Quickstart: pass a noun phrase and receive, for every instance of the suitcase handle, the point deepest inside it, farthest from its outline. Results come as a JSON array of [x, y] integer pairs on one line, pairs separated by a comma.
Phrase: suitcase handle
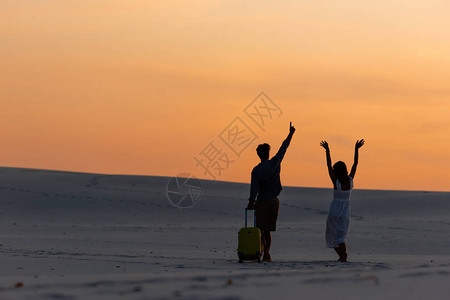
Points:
[[254, 219]]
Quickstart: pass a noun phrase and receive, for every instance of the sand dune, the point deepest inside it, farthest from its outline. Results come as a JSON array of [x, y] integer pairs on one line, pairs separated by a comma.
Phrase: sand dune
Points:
[[92, 236]]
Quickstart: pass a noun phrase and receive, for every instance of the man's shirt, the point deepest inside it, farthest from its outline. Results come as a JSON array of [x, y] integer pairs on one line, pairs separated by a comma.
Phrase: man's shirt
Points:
[[266, 183]]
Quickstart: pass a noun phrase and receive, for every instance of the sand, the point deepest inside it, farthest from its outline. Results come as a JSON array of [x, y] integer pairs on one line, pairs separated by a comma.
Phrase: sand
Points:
[[92, 236]]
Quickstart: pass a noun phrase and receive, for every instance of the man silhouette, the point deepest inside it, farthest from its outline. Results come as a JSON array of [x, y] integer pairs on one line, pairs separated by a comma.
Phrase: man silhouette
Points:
[[264, 190]]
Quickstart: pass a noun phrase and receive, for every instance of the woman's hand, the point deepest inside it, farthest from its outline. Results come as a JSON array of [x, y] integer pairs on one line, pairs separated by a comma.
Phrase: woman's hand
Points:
[[324, 144], [359, 144]]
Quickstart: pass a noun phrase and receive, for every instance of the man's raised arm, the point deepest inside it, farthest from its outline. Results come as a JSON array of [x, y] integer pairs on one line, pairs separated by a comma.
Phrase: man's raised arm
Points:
[[280, 154]]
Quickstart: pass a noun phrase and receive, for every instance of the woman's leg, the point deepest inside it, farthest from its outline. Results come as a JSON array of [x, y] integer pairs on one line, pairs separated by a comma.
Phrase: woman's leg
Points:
[[344, 252], [341, 250]]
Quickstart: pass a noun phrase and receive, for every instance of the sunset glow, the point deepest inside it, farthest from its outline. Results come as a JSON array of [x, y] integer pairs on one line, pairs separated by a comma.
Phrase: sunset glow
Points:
[[142, 87]]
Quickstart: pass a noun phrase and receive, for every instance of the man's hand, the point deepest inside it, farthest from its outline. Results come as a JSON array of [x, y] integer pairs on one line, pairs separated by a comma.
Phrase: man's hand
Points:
[[291, 128], [324, 144], [251, 205], [359, 144]]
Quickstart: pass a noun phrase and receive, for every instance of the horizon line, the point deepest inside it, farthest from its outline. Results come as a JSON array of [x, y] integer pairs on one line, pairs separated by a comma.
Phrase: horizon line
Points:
[[212, 181]]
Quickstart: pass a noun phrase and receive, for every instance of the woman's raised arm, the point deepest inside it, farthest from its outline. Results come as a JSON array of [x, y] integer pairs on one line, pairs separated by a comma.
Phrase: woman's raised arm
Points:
[[324, 144], [358, 145]]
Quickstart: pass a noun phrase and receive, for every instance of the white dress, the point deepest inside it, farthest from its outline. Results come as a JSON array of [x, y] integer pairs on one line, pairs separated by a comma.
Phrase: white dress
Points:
[[338, 219]]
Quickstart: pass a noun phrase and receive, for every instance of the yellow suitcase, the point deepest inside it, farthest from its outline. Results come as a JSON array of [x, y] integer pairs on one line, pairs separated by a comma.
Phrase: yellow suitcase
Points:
[[249, 243]]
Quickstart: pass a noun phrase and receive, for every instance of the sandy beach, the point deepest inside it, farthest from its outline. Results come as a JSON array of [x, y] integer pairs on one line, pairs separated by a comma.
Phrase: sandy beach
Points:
[[91, 236]]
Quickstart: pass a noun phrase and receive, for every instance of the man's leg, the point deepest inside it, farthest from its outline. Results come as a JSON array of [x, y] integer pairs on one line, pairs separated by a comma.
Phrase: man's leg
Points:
[[267, 241], [272, 215]]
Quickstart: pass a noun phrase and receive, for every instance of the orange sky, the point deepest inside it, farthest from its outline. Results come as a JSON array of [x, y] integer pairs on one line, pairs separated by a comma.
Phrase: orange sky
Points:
[[142, 87]]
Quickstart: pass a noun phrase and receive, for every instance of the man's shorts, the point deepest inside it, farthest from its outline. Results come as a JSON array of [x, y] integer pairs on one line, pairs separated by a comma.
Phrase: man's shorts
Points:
[[266, 214]]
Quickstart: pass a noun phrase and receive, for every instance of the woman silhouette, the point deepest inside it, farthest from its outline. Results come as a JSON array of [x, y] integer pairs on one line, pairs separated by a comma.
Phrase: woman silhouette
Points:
[[339, 214]]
